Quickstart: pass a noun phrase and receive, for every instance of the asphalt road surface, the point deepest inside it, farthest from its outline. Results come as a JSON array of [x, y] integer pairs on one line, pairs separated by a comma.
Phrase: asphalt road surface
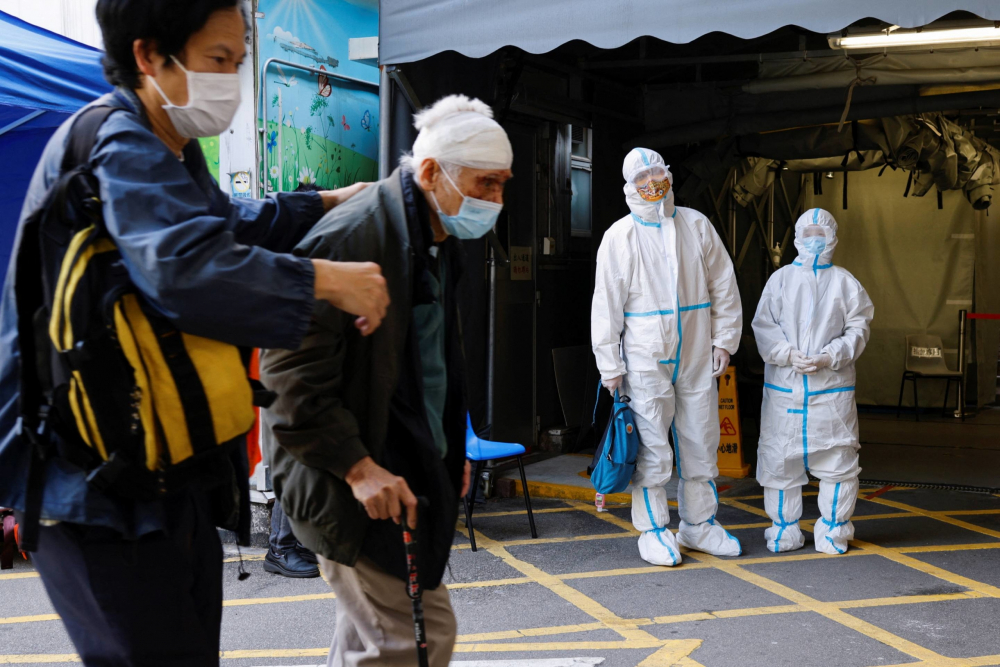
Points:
[[921, 585]]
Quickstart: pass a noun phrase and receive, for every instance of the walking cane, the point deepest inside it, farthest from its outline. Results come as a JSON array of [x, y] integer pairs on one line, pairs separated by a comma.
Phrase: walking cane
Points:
[[413, 587]]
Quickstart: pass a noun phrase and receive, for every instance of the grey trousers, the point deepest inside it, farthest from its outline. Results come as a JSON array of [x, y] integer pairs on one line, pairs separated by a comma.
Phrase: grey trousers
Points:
[[375, 619]]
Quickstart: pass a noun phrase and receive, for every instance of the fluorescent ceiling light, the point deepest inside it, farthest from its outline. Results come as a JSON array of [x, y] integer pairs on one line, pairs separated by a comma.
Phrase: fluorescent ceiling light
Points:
[[888, 39]]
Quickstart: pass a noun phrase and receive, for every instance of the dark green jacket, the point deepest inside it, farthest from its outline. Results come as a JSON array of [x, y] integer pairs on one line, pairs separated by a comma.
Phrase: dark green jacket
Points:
[[334, 395]]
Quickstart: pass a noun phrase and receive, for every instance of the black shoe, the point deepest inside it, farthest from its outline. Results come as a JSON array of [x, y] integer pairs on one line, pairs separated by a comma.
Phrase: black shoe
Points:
[[306, 555], [289, 564]]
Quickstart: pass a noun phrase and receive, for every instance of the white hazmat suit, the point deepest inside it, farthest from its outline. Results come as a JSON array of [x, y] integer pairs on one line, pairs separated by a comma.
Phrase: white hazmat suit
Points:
[[665, 293], [818, 312]]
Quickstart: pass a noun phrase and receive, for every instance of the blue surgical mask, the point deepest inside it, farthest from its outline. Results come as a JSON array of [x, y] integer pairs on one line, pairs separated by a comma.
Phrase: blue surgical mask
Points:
[[475, 217], [815, 245]]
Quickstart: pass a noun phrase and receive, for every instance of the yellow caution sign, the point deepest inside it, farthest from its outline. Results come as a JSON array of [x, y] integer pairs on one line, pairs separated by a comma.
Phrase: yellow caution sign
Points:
[[730, 435]]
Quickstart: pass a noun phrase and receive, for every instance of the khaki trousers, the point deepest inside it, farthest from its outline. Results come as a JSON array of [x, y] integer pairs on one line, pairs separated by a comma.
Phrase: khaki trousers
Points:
[[375, 618]]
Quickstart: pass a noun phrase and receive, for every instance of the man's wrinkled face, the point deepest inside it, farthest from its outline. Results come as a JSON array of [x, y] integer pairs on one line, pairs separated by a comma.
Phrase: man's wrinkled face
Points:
[[485, 184], [652, 184]]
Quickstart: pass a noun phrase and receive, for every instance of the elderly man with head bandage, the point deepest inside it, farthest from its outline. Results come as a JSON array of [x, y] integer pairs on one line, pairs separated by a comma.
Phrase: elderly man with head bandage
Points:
[[362, 427], [666, 317]]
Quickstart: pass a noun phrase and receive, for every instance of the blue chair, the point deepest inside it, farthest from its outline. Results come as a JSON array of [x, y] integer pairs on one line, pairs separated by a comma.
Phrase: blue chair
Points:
[[481, 451]]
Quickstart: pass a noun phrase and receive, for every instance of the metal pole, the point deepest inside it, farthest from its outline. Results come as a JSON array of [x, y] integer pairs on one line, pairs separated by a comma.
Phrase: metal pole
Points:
[[491, 341], [960, 409], [770, 212], [385, 123], [732, 218]]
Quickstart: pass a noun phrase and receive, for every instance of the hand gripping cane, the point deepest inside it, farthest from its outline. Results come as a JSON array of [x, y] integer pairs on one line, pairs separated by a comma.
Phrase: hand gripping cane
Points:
[[413, 586]]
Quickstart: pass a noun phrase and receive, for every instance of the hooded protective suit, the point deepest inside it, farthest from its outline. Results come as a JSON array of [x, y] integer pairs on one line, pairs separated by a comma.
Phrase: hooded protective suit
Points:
[[809, 421], [665, 293]]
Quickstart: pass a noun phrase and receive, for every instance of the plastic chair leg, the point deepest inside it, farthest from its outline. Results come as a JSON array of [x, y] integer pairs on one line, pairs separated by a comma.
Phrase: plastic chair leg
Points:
[[468, 523], [527, 498]]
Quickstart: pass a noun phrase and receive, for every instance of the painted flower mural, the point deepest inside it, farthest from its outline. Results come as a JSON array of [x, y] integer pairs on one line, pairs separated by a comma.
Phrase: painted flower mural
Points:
[[312, 133]]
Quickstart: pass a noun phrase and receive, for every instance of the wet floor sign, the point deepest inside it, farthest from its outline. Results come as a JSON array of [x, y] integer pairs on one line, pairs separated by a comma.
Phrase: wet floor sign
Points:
[[730, 438]]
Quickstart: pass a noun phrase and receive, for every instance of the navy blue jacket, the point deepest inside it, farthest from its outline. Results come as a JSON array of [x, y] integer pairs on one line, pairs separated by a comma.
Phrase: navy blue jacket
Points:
[[216, 267]]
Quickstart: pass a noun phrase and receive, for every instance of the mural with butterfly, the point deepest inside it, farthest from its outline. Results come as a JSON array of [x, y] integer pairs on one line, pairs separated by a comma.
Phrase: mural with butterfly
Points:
[[321, 129]]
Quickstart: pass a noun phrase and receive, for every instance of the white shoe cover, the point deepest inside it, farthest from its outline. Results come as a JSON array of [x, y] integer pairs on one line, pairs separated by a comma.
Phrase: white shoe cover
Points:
[[784, 538], [708, 537], [836, 503], [659, 547], [784, 506]]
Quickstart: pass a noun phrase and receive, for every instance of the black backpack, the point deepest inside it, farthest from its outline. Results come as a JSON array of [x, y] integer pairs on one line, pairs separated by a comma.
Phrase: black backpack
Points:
[[107, 383]]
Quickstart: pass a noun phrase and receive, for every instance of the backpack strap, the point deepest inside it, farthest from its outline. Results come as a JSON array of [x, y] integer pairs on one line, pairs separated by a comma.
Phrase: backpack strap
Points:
[[29, 297]]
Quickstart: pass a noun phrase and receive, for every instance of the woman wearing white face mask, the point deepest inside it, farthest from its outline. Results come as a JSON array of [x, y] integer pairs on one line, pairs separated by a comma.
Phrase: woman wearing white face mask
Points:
[[811, 326], [136, 577]]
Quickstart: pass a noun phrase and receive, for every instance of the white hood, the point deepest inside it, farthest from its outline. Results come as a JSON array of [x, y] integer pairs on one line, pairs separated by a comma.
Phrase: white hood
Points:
[[637, 160], [816, 216]]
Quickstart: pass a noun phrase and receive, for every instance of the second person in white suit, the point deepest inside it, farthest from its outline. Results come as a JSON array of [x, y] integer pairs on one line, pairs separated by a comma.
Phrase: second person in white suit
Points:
[[811, 326]]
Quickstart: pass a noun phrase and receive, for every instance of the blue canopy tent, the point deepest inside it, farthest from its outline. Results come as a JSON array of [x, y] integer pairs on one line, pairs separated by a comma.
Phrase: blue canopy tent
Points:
[[44, 78]]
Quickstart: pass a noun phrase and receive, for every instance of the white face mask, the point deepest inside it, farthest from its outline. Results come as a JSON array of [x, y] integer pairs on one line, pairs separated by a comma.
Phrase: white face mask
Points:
[[212, 103]]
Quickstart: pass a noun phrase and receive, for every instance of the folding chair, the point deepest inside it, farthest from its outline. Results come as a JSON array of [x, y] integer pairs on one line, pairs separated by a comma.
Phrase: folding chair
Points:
[[481, 451], [925, 361]]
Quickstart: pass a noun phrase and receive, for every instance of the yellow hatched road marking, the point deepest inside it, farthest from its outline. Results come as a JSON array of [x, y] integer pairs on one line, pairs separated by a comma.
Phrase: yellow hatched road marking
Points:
[[19, 575], [940, 516], [629, 630], [828, 610]]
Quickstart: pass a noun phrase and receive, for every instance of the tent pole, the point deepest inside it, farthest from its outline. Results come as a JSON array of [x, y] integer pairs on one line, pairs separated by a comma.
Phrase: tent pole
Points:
[[21, 121]]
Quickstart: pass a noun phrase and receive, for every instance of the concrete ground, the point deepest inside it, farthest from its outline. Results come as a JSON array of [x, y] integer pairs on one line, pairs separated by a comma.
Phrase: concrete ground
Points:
[[920, 586]]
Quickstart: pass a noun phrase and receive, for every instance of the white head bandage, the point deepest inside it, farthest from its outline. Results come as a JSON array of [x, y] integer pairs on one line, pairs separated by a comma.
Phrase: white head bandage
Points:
[[461, 131]]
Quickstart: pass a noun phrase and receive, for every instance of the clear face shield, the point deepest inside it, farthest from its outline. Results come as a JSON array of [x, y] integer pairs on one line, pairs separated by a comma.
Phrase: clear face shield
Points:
[[651, 183]]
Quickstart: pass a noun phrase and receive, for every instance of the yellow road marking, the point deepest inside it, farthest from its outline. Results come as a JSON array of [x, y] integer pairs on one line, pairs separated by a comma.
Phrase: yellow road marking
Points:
[[274, 653], [672, 653], [547, 510], [242, 602], [528, 647], [38, 657], [933, 548], [29, 619], [627, 629], [19, 575], [530, 632], [487, 584], [246, 558], [938, 516], [828, 610], [569, 492], [909, 599], [550, 540], [625, 571]]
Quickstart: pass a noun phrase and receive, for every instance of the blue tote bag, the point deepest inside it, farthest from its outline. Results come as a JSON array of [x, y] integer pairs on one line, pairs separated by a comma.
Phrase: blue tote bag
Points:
[[614, 459]]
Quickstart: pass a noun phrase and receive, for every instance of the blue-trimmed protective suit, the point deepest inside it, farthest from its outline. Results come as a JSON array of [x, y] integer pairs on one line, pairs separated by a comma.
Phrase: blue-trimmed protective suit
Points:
[[665, 293], [809, 422]]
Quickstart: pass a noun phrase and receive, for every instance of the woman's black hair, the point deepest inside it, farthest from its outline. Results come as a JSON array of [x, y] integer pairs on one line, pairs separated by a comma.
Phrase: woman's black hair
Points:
[[168, 23]]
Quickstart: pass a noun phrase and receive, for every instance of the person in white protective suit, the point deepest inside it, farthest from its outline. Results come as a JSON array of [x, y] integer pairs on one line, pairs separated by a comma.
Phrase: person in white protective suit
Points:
[[666, 317], [811, 326]]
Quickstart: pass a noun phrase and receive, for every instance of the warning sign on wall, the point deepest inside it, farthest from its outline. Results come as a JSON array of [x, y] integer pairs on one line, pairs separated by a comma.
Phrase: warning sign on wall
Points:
[[730, 438]]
